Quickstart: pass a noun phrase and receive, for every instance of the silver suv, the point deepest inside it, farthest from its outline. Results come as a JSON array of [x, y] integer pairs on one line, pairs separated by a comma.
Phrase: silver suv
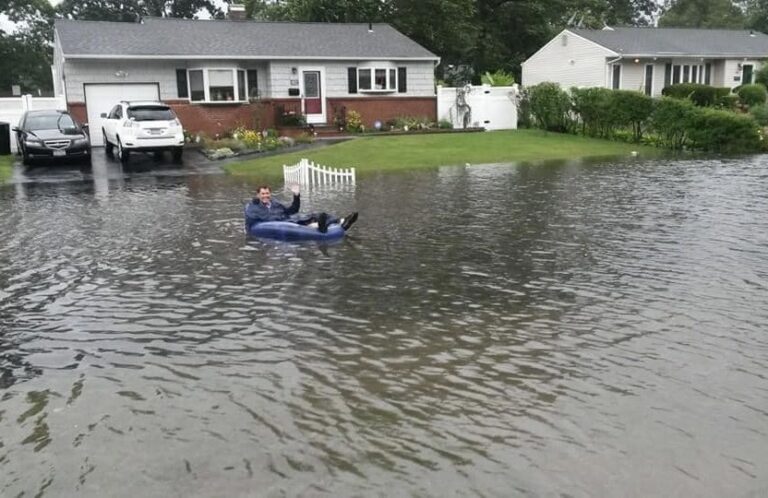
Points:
[[143, 126]]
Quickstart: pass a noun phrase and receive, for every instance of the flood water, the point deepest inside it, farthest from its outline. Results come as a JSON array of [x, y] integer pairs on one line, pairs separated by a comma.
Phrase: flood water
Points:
[[568, 329]]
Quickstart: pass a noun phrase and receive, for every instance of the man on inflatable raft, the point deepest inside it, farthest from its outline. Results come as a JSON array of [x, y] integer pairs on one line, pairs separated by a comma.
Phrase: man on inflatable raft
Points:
[[265, 217]]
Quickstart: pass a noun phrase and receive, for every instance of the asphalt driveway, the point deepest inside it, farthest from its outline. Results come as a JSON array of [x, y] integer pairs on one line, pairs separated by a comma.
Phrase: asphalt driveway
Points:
[[107, 168]]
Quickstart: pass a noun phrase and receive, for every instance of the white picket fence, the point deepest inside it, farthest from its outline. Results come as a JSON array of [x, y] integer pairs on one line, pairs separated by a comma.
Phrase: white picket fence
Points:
[[309, 173], [12, 108]]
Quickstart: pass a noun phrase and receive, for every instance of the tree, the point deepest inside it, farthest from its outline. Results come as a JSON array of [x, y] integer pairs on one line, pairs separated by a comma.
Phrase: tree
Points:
[[757, 15], [26, 52], [703, 14]]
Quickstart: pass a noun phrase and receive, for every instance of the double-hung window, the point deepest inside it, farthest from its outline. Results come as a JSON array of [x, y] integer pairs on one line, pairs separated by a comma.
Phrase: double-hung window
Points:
[[691, 73], [377, 79], [219, 84]]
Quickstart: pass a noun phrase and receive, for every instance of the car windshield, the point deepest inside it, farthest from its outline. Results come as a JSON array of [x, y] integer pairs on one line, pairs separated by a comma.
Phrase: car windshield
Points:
[[50, 122], [151, 113]]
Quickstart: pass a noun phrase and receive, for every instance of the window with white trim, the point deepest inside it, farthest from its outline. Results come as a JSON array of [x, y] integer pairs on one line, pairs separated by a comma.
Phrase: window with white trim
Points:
[[218, 85], [377, 79], [687, 73]]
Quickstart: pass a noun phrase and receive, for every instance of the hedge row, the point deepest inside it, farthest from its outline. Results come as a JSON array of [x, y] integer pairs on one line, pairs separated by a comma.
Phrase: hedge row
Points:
[[669, 122]]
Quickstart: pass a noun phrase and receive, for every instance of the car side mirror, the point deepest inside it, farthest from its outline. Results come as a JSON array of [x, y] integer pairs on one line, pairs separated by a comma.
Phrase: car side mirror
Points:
[[85, 125], [103, 115], [15, 129]]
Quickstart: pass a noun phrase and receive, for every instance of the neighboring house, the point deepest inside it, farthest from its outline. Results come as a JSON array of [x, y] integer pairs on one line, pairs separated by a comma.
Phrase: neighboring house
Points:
[[218, 75], [647, 59]]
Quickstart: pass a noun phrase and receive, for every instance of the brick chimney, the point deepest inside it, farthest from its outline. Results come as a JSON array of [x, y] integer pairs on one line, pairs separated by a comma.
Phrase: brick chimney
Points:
[[236, 12]]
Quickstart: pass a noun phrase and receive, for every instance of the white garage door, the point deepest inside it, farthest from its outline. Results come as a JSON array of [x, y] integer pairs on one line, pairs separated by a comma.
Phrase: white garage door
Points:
[[102, 98]]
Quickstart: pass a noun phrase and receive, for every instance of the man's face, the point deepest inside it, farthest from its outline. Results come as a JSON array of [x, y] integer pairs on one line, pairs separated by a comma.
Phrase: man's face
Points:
[[265, 195]]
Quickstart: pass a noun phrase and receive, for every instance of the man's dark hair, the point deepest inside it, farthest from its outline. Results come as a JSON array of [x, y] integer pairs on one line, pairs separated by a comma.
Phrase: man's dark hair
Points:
[[262, 187]]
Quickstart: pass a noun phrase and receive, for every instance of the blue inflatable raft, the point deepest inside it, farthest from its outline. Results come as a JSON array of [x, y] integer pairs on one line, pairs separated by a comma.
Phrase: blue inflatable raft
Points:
[[285, 230]]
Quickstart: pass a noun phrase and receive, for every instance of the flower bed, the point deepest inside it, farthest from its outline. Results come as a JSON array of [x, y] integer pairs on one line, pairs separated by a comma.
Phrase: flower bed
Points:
[[243, 142]]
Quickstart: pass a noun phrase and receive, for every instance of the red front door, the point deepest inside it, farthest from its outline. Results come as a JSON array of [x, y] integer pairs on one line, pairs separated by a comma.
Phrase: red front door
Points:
[[313, 96]]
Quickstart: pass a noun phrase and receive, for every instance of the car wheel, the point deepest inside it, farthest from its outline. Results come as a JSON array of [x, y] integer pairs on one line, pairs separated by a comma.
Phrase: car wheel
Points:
[[107, 146], [177, 152], [122, 154]]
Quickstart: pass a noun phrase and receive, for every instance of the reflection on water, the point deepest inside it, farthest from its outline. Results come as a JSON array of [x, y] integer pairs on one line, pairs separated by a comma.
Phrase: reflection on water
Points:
[[559, 329]]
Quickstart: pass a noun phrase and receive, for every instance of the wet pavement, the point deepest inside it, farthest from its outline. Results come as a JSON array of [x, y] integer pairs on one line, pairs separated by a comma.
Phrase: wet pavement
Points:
[[104, 168]]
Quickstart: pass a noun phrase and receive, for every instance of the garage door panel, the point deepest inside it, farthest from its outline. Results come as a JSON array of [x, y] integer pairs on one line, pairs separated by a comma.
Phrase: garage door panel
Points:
[[101, 98]]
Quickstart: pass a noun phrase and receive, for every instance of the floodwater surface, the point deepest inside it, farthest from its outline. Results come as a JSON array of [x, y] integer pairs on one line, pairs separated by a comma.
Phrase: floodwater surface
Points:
[[566, 329]]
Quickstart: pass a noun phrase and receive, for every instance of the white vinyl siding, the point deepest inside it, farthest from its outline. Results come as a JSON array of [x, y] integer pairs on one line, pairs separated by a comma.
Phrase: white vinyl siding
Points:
[[633, 76], [731, 69], [79, 72], [579, 63], [420, 78]]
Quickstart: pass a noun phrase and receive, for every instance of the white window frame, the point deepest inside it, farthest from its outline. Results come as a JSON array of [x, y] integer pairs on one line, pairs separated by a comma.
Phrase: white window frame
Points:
[[389, 85], [207, 88], [700, 73], [653, 78]]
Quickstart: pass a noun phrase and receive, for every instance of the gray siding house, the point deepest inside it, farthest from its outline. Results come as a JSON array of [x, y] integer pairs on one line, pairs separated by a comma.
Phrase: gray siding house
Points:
[[647, 59], [220, 74]]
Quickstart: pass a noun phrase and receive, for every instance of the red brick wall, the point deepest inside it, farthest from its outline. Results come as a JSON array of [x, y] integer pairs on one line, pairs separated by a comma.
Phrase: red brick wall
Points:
[[383, 109], [77, 109], [213, 119]]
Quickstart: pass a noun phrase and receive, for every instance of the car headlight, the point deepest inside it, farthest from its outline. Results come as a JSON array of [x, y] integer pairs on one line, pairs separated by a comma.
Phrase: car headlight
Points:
[[80, 141], [32, 141]]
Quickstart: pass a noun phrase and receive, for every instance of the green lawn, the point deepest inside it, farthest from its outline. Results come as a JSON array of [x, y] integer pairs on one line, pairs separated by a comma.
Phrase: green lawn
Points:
[[6, 167], [408, 152]]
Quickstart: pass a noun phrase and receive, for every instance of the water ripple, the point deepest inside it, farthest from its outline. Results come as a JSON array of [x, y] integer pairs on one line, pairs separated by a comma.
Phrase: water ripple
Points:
[[486, 331]]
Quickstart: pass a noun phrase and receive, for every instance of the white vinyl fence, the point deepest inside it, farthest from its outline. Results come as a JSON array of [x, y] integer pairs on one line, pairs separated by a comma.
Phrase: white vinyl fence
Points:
[[309, 173], [489, 107], [12, 108]]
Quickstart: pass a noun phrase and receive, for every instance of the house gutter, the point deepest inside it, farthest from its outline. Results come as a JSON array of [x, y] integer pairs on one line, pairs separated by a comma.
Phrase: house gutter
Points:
[[242, 57]]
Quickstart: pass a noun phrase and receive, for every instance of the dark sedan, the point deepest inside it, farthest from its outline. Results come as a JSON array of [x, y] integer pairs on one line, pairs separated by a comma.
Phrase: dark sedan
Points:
[[51, 135]]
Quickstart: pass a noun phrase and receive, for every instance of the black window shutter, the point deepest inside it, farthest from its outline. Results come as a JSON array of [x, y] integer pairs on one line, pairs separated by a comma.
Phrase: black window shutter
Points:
[[402, 85], [181, 83], [352, 79], [667, 74]]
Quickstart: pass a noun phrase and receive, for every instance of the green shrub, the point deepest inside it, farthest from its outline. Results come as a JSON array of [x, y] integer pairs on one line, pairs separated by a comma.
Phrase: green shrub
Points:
[[304, 138], [761, 75], [723, 131], [498, 78], [410, 123], [550, 106], [670, 120], [524, 119], [701, 95], [760, 113], [593, 106], [224, 143], [607, 113], [728, 102], [755, 94], [445, 124], [632, 110]]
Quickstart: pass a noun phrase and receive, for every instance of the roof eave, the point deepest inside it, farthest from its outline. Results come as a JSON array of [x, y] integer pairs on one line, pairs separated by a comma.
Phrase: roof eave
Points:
[[663, 55], [245, 57]]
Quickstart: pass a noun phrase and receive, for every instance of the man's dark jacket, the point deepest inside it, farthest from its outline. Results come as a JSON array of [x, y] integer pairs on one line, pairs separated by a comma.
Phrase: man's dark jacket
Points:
[[256, 212]]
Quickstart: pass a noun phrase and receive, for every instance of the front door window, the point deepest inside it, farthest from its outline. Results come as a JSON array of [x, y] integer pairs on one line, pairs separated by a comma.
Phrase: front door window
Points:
[[312, 95]]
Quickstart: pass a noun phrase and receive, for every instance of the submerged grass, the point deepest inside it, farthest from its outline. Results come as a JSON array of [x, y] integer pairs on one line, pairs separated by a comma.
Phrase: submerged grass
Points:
[[6, 167], [408, 152]]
